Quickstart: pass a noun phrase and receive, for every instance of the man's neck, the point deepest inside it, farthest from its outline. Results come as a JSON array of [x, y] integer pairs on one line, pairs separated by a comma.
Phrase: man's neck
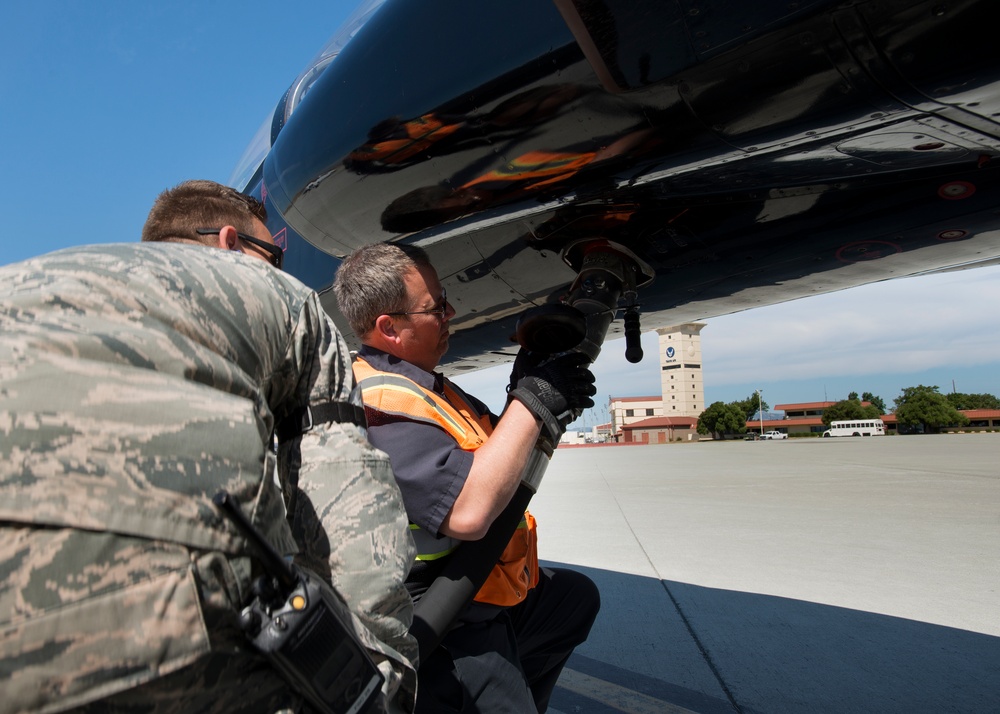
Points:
[[407, 369]]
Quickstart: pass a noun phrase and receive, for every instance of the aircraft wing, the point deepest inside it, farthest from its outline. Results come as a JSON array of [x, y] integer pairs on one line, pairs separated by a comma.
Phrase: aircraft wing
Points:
[[732, 154]]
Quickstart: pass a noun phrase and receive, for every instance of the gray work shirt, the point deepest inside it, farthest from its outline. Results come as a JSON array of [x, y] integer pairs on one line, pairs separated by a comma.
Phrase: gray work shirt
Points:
[[430, 467]]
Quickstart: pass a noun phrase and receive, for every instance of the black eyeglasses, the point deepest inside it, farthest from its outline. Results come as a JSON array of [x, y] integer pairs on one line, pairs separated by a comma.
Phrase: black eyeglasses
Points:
[[276, 254], [440, 310]]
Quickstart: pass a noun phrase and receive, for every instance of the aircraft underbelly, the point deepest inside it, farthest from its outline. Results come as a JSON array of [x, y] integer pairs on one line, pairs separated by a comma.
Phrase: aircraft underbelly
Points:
[[747, 154]]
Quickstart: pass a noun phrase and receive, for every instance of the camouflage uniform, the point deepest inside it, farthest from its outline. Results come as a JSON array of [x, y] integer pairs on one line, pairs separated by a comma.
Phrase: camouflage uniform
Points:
[[135, 382]]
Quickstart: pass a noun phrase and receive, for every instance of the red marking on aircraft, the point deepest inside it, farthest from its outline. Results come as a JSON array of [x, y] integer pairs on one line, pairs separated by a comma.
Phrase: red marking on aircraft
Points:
[[956, 190], [281, 239]]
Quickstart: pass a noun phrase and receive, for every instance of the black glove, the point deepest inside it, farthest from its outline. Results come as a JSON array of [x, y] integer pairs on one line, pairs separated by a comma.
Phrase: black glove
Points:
[[524, 363], [556, 391]]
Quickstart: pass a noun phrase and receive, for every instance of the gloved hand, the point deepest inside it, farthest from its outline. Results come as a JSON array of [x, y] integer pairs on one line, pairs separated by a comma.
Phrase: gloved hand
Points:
[[556, 391], [523, 364]]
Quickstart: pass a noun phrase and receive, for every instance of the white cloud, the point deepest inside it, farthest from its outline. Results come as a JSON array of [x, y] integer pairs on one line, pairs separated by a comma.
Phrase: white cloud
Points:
[[897, 326]]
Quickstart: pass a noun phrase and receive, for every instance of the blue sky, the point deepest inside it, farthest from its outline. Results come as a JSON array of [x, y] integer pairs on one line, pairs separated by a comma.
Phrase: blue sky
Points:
[[107, 103]]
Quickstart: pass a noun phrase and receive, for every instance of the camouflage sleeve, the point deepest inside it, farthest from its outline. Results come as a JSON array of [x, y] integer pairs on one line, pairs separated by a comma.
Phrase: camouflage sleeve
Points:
[[345, 509]]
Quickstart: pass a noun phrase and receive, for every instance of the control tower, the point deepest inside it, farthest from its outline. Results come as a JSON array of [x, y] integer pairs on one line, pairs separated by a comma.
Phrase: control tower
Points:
[[681, 380]]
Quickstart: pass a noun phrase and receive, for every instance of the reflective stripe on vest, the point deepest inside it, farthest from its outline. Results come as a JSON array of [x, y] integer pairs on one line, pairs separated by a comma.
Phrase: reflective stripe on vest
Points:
[[396, 395], [430, 548]]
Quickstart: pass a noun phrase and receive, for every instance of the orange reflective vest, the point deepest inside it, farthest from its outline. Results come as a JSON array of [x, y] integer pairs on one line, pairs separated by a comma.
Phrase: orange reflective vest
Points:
[[387, 393]]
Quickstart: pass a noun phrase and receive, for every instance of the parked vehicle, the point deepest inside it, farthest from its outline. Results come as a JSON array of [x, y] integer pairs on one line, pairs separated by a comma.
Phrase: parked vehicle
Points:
[[774, 434], [856, 427]]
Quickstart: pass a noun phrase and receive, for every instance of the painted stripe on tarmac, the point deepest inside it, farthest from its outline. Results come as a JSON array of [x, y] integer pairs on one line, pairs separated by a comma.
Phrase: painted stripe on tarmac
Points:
[[616, 696]]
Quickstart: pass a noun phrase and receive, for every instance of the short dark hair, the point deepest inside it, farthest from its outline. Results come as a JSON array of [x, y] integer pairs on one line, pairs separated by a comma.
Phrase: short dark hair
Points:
[[369, 282], [179, 211]]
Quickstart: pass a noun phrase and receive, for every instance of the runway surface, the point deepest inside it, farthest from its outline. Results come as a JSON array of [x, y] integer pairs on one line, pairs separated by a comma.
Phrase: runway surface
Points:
[[813, 575]]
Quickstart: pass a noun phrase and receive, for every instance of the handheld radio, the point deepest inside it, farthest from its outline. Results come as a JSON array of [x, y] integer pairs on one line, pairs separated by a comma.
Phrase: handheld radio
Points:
[[295, 622]]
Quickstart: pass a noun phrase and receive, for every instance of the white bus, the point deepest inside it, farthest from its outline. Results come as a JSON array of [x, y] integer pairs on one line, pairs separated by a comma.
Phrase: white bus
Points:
[[856, 427]]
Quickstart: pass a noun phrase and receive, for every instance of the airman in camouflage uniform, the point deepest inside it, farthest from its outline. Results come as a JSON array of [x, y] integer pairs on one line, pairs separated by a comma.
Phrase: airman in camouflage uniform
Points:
[[136, 381]]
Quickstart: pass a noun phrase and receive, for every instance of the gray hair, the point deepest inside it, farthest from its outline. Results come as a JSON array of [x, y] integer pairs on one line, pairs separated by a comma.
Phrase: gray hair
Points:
[[369, 282]]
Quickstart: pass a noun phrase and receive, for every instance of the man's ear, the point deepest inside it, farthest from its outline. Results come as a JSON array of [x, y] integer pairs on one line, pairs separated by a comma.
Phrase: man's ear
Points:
[[228, 240], [385, 330]]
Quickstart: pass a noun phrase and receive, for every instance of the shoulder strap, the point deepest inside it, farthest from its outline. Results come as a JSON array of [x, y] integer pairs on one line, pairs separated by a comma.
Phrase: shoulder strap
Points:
[[303, 419]]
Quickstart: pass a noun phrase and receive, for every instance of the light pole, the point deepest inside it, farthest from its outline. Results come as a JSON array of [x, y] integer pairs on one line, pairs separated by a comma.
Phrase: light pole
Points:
[[760, 412]]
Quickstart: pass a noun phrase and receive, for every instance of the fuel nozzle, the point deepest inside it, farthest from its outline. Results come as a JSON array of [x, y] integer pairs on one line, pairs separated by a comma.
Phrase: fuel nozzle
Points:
[[550, 329]]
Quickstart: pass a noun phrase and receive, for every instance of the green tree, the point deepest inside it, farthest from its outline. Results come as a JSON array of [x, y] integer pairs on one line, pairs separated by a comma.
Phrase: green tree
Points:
[[750, 406], [875, 401], [972, 401], [927, 407], [720, 419], [850, 409], [871, 399]]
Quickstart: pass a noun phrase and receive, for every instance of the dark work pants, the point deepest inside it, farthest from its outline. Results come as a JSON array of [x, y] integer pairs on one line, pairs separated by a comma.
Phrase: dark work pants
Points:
[[510, 664]]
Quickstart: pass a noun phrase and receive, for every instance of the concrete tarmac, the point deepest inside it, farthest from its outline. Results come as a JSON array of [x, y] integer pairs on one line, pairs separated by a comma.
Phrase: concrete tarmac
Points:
[[807, 575]]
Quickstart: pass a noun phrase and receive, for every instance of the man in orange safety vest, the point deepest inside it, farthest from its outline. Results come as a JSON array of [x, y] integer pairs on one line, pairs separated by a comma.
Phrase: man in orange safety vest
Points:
[[458, 466]]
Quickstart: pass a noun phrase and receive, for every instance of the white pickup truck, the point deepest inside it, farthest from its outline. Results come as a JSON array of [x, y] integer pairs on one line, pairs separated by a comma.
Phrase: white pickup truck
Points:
[[774, 435]]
